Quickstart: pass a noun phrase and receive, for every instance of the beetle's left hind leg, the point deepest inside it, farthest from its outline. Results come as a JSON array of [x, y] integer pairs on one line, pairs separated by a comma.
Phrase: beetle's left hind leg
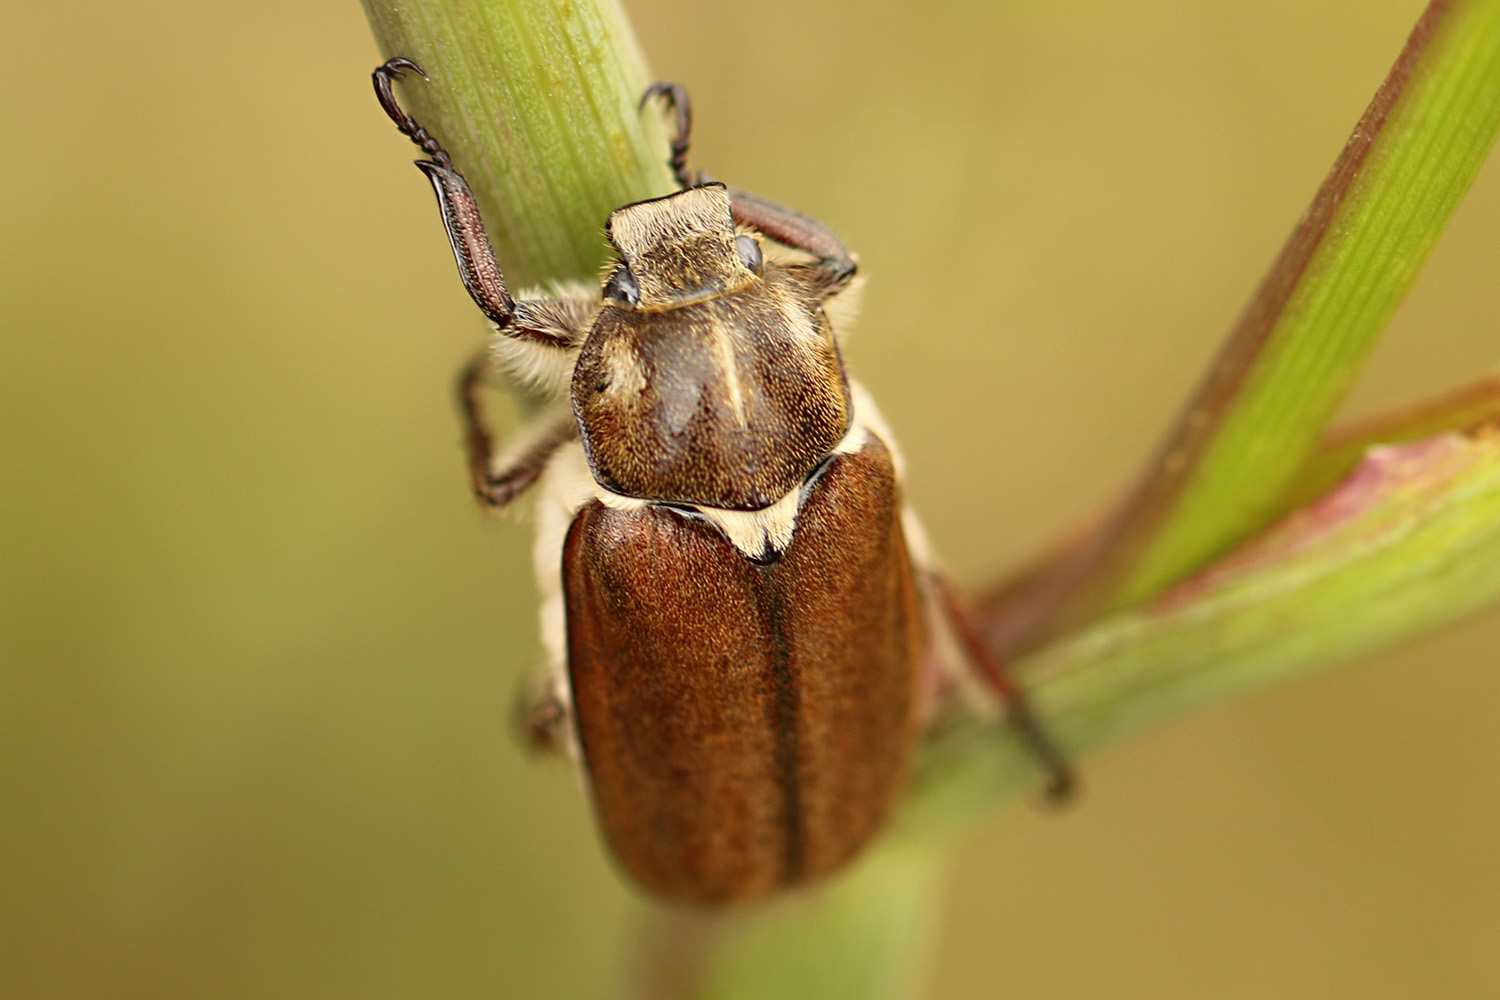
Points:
[[496, 487], [1060, 778]]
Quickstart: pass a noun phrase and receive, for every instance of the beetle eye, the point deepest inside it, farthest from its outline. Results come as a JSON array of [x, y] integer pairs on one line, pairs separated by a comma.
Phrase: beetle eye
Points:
[[622, 287], [749, 250]]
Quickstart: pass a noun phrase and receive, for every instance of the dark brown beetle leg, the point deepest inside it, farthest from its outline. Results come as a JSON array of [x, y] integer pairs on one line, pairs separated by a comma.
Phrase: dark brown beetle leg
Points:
[[542, 720], [836, 265], [498, 488], [676, 97], [1060, 778], [471, 247]]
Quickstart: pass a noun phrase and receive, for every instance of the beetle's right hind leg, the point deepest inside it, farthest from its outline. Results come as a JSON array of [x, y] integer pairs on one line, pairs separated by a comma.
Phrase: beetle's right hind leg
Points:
[[497, 487], [1061, 780]]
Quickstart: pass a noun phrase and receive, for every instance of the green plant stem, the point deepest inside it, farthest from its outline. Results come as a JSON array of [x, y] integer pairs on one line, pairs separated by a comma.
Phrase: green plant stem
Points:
[[1471, 406], [1410, 542], [1408, 164], [1463, 408]]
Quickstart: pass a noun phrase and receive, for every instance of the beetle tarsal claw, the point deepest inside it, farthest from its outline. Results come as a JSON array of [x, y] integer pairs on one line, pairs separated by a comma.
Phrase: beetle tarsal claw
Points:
[[675, 96], [394, 69]]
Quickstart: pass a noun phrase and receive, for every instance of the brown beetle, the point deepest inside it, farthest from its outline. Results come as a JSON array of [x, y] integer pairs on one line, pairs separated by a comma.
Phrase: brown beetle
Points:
[[737, 605]]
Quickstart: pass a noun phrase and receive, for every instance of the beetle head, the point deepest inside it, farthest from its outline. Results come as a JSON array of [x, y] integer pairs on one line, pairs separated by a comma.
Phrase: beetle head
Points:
[[678, 250]]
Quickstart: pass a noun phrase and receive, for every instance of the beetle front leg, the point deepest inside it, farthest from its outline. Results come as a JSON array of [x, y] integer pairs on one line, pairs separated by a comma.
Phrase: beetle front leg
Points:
[[471, 247], [1061, 780], [497, 487], [477, 265], [676, 97], [835, 266]]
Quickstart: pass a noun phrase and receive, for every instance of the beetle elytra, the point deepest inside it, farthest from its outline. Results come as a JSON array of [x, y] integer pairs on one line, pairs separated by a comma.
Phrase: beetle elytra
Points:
[[742, 618]]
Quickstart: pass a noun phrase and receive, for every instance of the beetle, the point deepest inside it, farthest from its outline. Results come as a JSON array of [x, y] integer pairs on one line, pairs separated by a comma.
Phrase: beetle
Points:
[[742, 619]]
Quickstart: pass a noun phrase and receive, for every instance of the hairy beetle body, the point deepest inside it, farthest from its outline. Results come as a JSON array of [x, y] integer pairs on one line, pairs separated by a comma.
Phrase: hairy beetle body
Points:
[[736, 608]]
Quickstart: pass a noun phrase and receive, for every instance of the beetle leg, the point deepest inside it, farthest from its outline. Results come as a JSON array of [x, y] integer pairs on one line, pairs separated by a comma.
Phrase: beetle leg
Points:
[[393, 69], [496, 487], [542, 719], [676, 97], [835, 267], [471, 247], [1060, 778], [477, 266]]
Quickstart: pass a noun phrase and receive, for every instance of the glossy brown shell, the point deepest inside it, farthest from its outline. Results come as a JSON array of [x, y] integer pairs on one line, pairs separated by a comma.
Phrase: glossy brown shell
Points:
[[746, 727], [729, 402]]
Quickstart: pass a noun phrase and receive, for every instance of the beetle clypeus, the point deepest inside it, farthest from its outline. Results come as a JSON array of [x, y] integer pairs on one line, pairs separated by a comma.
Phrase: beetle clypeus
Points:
[[744, 625]]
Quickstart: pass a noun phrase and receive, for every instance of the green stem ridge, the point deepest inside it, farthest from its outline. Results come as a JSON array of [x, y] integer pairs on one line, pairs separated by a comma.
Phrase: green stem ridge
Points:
[[1464, 408]]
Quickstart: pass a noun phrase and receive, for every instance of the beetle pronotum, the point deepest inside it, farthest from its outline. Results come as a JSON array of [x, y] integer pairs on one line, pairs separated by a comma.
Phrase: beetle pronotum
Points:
[[743, 623]]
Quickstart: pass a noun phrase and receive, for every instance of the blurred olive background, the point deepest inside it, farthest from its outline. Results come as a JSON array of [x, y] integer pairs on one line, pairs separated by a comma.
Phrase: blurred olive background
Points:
[[260, 649]]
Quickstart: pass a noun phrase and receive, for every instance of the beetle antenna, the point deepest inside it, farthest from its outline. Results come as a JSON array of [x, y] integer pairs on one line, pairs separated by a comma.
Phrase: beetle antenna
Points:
[[675, 96], [394, 69]]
